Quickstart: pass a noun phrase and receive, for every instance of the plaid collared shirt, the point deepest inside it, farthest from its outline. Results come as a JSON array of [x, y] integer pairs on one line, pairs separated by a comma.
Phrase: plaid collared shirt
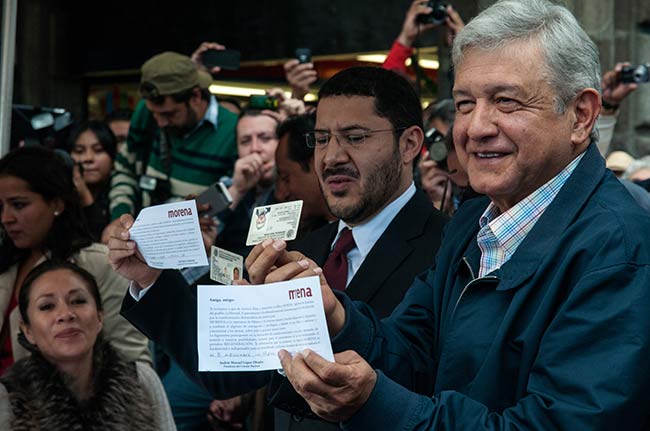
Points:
[[501, 234]]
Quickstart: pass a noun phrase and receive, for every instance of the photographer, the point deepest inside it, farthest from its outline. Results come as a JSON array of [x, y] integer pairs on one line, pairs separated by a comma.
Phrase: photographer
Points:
[[444, 181], [403, 46]]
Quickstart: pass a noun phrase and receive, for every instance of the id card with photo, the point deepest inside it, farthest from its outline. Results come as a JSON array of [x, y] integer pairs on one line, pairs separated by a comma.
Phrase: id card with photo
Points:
[[225, 266], [278, 221]]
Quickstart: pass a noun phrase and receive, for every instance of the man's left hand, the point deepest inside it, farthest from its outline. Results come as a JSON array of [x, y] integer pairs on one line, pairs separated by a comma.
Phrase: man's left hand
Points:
[[334, 390]]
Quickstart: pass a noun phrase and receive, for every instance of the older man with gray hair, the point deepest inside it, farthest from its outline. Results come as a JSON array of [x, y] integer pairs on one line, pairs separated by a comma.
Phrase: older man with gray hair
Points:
[[535, 315]]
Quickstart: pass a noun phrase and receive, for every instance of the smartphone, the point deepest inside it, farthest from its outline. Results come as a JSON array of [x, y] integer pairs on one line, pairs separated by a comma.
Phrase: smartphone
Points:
[[217, 196], [303, 55], [224, 58]]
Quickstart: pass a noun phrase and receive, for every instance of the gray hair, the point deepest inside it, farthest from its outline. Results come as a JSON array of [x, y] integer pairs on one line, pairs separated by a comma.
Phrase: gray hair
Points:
[[572, 59], [636, 165]]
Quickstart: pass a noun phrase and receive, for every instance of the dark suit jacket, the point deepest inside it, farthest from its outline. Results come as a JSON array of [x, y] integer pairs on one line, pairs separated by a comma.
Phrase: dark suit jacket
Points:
[[167, 313]]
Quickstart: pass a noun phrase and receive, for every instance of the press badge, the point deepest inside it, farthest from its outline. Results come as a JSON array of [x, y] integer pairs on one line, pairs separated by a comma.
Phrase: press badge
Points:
[[148, 183]]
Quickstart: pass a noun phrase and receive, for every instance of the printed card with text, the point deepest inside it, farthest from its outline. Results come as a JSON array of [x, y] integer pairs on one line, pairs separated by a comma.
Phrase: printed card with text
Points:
[[225, 266], [278, 221]]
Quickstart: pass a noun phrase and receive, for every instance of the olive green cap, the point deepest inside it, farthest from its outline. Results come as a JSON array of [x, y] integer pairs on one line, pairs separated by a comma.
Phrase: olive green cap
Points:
[[169, 73]]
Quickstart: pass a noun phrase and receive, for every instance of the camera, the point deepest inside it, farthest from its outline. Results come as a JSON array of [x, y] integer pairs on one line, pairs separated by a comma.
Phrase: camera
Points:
[[637, 74], [259, 101], [303, 55], [437, 16], [435, 143]]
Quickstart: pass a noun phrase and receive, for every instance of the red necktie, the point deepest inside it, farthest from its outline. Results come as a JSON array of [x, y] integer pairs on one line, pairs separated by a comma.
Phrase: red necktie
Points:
[[336, 265]]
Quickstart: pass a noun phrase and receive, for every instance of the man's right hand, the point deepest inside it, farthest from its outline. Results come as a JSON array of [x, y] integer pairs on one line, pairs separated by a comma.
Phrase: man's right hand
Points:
[[435, 182], [124, 256], [197, 55], [270, 262], [613, 89], [300, 77], [247, 173]]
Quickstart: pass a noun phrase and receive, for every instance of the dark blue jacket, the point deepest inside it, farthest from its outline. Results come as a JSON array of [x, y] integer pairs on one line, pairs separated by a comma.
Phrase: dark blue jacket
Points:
[[557, 338]]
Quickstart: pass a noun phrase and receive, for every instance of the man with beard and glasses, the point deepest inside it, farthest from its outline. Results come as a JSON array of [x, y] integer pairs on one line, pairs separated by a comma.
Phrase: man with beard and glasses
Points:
[[368, 131], [180, 140]]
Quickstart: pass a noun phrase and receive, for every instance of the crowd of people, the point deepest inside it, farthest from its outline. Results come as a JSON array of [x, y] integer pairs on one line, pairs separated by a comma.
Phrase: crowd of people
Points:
[[484, 262]]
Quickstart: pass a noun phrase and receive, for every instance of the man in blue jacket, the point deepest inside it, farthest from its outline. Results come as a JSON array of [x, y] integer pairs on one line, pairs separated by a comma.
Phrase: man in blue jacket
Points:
[[535, 315]]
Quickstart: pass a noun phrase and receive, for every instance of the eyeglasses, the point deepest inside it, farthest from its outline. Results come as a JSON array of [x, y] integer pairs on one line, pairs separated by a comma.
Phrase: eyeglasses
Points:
[[350, 139]]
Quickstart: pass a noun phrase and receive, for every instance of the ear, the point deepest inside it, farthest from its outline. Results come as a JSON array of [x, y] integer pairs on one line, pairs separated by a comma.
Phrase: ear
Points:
[[100, 317], [58, 205], [585, 109], [26, 330], [411, 144]]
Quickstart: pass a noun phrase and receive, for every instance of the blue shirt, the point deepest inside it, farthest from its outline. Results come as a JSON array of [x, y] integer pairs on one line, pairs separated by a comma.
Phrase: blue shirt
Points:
[[501, 233]]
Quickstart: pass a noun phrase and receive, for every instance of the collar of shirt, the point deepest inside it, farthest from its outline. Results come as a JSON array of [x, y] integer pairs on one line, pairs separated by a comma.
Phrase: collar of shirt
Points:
[[501, 233], [366, 235], [211, 115]]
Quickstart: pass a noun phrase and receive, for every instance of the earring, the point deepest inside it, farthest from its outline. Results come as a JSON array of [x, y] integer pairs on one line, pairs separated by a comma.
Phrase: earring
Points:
[[56, 213]]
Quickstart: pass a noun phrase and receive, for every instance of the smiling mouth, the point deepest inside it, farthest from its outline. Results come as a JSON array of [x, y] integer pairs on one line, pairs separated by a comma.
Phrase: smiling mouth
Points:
[[489, 155]]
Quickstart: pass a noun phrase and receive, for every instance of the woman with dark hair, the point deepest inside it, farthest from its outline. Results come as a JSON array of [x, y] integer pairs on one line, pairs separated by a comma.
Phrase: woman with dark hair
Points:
[[41, 219], [93, 146], [73, 379]]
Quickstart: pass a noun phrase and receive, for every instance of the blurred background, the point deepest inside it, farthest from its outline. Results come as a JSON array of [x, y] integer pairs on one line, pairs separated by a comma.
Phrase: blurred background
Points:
[[83, 58]]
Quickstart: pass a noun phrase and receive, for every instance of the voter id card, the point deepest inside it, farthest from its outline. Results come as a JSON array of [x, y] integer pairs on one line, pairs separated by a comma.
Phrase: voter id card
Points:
[[278, 221], [225, 266]]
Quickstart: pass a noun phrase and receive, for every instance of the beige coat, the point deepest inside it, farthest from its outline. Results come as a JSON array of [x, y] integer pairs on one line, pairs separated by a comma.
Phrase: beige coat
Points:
[[123, 336]]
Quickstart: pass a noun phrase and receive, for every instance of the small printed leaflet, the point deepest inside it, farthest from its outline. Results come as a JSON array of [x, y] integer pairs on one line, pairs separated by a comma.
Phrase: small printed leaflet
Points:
[[169, 236], [242, 328]]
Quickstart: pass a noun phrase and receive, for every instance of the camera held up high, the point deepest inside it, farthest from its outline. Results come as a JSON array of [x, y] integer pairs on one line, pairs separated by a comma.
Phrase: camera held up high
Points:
[[437, 16], [638, 74]]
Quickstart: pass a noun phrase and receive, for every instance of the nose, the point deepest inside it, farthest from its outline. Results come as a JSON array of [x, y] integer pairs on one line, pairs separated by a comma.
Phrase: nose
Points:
[[482, 122], [66, 314], [6, 215], [87, 156], [333, 153], [256, 145], [161, 121]]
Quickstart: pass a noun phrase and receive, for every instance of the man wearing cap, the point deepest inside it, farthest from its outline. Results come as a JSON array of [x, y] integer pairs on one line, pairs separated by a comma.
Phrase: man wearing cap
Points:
[[180, 140]]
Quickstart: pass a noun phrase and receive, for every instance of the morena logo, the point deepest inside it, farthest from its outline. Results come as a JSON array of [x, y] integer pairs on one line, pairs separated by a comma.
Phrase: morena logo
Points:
[[181, 212], [300, 293]]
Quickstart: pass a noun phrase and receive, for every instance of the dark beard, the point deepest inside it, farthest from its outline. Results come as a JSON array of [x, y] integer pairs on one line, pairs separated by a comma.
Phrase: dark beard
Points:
[[180, 131], [380, 186]]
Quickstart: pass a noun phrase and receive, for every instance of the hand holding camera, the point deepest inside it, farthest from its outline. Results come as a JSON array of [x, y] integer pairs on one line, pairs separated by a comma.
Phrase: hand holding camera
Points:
[[300, 73], [424, 15], [617, 84]]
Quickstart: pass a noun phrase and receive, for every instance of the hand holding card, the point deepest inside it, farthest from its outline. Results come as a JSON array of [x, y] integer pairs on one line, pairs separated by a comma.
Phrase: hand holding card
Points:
[[278, 221]]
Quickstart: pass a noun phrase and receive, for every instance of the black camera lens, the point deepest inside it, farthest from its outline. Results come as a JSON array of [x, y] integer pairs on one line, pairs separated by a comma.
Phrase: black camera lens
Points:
[[638, 74], [437, 16]]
